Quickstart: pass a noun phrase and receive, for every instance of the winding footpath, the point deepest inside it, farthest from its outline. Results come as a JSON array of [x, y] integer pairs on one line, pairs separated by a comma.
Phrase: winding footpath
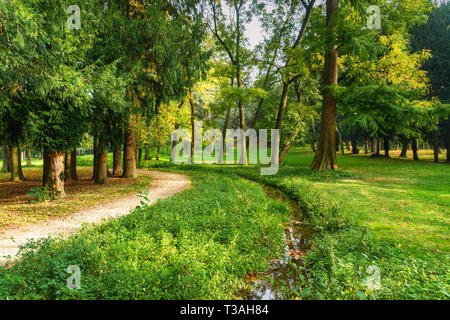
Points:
[[164, 185]]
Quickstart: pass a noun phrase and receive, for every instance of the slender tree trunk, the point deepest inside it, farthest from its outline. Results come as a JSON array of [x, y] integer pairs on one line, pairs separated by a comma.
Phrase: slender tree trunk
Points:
[[243, 159], [414, 149], [366, 147], [436, 146], [224, 134], [147, 152], [117, 158], [21, 176], [372, 145], [29, 157], [191, 103], [447, 145], [314, 136], [386, 146], [95, 164], [177, 126], [129, 155], [325, 157], [53, 168], [139, 156], [158, 146], [73, 165], [282, 106], [257, 112]]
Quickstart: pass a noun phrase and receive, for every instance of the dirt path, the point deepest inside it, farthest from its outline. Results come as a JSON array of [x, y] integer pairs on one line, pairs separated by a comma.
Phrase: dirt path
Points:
[[164, 185]]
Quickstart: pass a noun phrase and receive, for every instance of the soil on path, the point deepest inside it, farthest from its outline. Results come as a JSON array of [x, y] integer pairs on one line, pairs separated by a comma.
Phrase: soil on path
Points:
[[164, 185]]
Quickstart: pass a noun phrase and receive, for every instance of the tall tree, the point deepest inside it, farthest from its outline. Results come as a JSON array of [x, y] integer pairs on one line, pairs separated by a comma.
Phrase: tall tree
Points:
[[325, 157]]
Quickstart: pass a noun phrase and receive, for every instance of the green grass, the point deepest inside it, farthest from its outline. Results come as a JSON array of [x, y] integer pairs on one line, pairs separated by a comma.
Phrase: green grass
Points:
[[388, 213], [198, 244]]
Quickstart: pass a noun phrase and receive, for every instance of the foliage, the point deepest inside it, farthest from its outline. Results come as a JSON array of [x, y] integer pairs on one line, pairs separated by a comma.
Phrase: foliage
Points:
[[40, 194]]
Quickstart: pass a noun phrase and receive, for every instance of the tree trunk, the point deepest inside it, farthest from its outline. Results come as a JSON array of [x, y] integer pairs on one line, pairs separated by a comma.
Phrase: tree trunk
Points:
[[372, 145], [436, 146], [314, 136], [6, 159], [404, 148], [67, 165], [447, 145], [280, 116], [414, 149], [15, 156], [366, 147], [377, 152], [157, 151], [355, 149], [147, 152], [73, 165], [101, 174], [117, 158], [139, 156], [53, 168], [29, 157], [20, 166], [257, 112], [282, 106], [95, 164], [243, 159], [386, 146], [325, 157], [129, 154], [191, 103]]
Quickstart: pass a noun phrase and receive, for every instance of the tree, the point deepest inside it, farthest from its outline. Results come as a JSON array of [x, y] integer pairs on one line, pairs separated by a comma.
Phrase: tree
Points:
[[325, 157], [229, 36]]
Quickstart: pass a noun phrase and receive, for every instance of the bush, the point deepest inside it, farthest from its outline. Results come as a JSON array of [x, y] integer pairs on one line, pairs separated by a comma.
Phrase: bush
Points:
[[40, 194]]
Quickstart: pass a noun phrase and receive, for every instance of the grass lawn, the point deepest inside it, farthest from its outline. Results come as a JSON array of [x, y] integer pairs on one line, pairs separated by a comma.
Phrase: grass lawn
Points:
[[403, 201], [391, 213]]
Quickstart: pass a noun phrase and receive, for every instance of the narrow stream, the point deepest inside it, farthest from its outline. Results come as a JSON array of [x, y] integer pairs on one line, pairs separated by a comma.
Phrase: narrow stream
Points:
[[296, 235]]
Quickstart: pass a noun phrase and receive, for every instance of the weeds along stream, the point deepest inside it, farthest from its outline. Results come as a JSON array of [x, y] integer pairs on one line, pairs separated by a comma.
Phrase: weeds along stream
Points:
[[284, 276]]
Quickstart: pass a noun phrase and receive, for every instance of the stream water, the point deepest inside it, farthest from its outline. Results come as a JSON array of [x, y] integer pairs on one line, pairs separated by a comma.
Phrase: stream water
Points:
[[267, 286]]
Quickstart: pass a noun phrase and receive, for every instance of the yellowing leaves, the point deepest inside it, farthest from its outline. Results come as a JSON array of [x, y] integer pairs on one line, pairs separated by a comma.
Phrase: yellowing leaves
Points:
[[400, 67]]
